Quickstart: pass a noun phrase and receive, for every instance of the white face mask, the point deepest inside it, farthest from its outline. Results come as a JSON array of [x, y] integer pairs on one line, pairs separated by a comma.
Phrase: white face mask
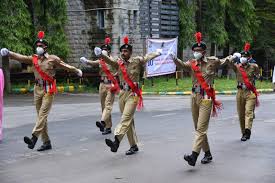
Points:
[[197, 55], [243, 60], [39, 51]]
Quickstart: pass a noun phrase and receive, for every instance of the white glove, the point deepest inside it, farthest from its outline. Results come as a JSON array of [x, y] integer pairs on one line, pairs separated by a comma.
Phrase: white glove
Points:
[[79, 72], [236, 55], [159, 51], [104, 52], [4, 52], [98, 51], [83, 60]]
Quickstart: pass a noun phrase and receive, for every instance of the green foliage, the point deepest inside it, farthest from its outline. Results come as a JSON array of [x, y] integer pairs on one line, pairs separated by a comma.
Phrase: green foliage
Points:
[[265, 40], [186, 23], [15, 29], [51, 16], [161, 84], [241, 22], [214, 19]]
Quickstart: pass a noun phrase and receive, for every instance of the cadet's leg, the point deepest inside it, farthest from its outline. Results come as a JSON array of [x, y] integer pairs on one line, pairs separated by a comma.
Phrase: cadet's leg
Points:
[[195, 106], [102, 94], [249, 113], [127, 116], [241, 109], [106, 115], [132, 138], [203, 122], [115, 144], [38, 97], [128, 109], [201, 131], [43, 114]]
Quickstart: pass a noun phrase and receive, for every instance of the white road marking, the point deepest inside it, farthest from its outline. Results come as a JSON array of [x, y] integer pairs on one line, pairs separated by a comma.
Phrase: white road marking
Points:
[[161, 115]]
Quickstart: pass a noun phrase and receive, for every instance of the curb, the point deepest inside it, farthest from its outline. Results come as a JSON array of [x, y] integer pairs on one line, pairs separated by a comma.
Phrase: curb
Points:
[[60, 89], [81, 88], [230, 92]]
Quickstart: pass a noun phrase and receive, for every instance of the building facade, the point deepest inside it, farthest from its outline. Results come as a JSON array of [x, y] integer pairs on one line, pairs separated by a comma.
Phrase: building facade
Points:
[[90, 21]]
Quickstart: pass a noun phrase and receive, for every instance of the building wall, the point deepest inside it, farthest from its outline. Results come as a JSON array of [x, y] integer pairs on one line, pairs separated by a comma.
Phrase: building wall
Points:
[[121, 18], [159, 18]]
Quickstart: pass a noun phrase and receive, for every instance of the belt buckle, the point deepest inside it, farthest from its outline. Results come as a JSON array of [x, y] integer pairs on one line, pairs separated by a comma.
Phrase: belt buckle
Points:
[[105, 80], [197, 89], [126, 86]]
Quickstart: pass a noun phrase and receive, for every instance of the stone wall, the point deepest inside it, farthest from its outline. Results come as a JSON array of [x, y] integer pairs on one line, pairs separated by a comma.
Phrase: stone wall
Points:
[[121, 18]]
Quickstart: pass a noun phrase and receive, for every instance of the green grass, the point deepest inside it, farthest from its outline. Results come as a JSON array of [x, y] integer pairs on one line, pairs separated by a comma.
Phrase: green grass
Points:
[[160, 84]]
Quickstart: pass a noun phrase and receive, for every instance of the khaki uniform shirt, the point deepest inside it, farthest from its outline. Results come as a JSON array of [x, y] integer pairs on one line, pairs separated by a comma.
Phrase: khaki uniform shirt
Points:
[[133, 66], [48, 64], [208, 67], [101, 72], [252, 71]]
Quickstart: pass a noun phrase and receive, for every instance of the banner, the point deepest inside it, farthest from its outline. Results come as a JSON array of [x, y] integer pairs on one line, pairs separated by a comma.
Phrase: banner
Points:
[[163, 64]]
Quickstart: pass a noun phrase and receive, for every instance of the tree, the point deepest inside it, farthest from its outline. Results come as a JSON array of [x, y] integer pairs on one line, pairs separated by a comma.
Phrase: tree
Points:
[[15, 29], [241, 22], [51, 16], [214, 20], [187, 9], [15, 32], [265, 41]]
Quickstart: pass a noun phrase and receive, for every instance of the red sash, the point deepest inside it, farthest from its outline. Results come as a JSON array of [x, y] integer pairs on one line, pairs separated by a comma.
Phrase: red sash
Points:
[[248, 84], [209, 91], [132, 85], [115, 87], [45, 76]]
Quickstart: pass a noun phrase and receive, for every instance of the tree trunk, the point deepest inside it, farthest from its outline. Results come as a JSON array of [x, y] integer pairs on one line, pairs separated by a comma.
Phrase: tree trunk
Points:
[[226, 50], [213, 49], [6, 71]]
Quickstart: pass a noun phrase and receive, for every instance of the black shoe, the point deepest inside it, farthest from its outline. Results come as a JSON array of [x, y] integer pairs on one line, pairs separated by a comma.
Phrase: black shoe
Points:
[[112, 144], [132, 150], [45, 146], [30, 141], [101, 125], [246, 135], [191, 159], [207, 158], [107, 131]]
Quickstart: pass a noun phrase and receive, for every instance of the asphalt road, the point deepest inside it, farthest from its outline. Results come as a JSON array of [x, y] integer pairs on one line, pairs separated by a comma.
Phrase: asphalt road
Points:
[[165, 132]]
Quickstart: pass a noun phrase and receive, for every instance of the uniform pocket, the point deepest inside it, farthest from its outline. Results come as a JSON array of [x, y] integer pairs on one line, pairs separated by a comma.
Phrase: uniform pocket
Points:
[[206, 103]]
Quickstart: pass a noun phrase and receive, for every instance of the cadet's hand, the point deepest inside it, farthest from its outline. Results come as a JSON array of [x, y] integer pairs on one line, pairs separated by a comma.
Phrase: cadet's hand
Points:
[[79, 72], [98, 51], [83, 60], [236, 55], [104, 52], [159, 51], [4, 52], [171, 54]]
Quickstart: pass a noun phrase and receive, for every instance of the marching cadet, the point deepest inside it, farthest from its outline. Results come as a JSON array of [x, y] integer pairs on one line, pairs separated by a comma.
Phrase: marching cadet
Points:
[[130, 96], [108, 87], [45, 86], [247, 95], [203, 98]]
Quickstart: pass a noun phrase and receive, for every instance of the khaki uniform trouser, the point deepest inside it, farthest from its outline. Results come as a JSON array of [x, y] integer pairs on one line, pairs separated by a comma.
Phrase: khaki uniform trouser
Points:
[[246, 102], [201, 111], [127, 105], [107, 100], [43, 103]]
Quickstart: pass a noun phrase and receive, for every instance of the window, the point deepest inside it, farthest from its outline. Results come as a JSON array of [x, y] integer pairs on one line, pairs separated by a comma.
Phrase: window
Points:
[[135, 19], [100, 19]]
